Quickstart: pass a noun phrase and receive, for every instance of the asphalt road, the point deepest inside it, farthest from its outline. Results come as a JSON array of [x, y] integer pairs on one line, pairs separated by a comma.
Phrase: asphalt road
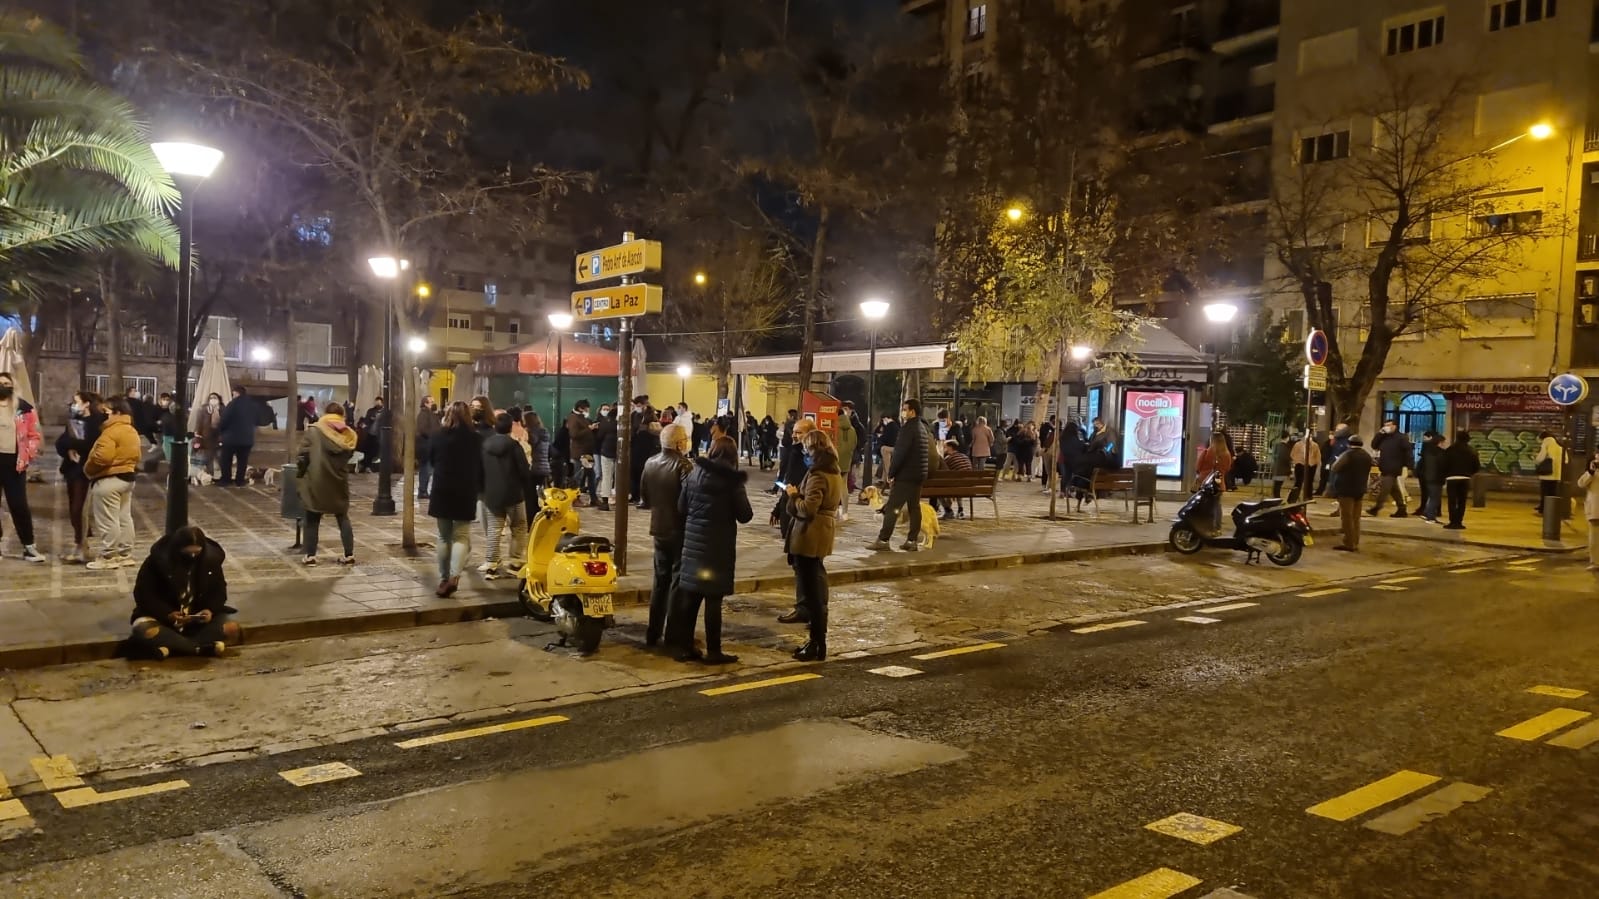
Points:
[[1026, 769]]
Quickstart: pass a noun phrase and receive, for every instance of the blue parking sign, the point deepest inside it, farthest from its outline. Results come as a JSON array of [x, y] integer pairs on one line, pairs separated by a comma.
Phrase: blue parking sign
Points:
[[588, 305]]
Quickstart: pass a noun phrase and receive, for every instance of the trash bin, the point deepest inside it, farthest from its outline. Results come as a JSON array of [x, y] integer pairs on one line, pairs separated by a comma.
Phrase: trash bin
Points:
[[289, 505], [1479, 490], [1144, 490]]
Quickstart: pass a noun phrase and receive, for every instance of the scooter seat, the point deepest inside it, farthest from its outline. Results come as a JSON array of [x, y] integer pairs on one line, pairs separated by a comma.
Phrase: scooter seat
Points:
[[583, 543], [1247, 509]]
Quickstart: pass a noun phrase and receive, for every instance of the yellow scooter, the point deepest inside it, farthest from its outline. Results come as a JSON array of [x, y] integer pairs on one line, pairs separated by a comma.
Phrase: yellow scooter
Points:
[[569, 578]]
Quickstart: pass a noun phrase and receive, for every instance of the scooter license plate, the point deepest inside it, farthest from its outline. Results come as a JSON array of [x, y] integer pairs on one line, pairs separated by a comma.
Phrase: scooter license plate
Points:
[[1309, 540], [595, 606]]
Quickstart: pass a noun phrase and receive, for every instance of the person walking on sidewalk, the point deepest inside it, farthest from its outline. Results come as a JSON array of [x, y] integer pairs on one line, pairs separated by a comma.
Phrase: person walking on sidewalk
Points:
[[660, 484], [457, 456], [180, 599], [1306, 457], [1460, 466], [110, 470], [1550, 464], [77, 438], [1430, 471], [1349, 476], [19, 446], [236, 435], [427, 424], [505, 496], [713, 503], [814, 506], [1394, 455], [1282, 463], [323, 460], [907, 470], [848, 441]]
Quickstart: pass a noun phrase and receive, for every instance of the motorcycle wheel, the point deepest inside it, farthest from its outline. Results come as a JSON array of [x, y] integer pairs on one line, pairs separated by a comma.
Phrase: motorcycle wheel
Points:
[[588, 634], [531, 606], [1292, 549], [1185, 539]]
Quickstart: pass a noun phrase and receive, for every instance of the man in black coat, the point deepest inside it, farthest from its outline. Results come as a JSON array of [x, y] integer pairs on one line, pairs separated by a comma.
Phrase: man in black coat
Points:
[[906, 472], [1394, 455], [660, 485], [505, 477], [237, 436], [180, 599], [1460, 465]]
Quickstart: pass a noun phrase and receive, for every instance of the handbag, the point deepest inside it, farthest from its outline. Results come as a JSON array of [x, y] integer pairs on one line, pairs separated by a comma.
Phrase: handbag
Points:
[[1546, 467]]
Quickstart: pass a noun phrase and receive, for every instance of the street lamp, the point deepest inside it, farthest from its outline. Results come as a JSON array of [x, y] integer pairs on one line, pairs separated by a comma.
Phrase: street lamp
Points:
[[388, 269], [1218, 312], [261, 354], [1014, 213], [560, 323], [699, 278], [874, 311], [188, 164], [683, 374], [1081, 352], [417, 345]]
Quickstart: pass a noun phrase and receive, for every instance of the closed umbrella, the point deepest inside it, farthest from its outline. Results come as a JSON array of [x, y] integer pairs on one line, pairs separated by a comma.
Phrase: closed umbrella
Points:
[[368, 381], [213, 379], [11, 361]]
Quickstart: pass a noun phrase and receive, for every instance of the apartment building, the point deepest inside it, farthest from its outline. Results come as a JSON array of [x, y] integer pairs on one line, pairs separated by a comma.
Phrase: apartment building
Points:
[[1532, 120]]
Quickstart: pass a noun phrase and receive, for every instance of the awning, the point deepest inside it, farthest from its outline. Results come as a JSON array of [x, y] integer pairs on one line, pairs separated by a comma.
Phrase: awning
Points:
[[897, 358], [539, 358]]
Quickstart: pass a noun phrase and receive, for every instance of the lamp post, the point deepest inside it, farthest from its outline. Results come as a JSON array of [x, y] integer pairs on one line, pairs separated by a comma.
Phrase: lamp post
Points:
[[560, 323], [387, 269], [874, 311], [1217, 312], [683, 374], [188, 164]]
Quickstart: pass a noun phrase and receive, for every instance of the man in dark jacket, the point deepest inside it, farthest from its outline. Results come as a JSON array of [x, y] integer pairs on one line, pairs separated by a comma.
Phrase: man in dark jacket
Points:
[[1394, 455], [180, 599], [1460, 464], [1349, 486], [427, 424], [906, 472], [237, 436], [505, 476], [660, 485], [1430, 471], [580, 443]]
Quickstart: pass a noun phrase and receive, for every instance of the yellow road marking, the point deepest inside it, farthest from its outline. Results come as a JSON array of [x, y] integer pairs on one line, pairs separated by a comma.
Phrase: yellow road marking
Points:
[[1328, 592], [5, 788], [1109, 626], [57, 772], [1402, 580], [1558, 692], [318, 774], [1230, 607], [1466, 570], [957, 651], [1390, 589], [1193, 828], [12, 809], [1360, 801], [484, 731], [1434, 805], [760, 684], [1160, 883], [1544, 724], [1527, 561], [83, 796], [1578, 738]]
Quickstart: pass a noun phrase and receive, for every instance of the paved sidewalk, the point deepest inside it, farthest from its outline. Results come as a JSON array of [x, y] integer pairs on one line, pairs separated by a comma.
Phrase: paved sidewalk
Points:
[[56, 613]]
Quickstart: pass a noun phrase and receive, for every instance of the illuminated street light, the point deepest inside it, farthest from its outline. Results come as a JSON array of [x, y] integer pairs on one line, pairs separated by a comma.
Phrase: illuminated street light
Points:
[[416, 345], [192, 160], [1014, 213], [424, 291], [561, 324], [699, 278], [1081, 352], [684, 372], [874, 311], [1220, 312], [385, 267], [1541, 131], [261, 354]]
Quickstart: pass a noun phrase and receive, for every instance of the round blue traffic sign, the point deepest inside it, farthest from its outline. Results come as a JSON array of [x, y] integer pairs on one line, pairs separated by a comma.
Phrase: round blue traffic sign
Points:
[[1316, 347], [1568, 389]]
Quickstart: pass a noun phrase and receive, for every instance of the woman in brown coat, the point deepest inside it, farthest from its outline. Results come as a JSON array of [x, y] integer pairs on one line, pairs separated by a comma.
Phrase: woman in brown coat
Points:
[[814, 507]]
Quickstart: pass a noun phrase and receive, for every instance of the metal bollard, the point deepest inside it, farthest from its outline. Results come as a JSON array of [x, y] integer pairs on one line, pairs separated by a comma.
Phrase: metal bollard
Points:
[[1479, 491], [1551, 517]]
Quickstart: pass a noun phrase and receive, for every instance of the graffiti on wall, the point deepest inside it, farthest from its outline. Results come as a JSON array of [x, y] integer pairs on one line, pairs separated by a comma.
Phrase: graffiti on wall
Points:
[[1507, 452]]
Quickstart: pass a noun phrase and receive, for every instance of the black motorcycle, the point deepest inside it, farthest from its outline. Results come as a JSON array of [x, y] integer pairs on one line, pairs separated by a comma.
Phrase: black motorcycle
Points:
[[1269, 528]]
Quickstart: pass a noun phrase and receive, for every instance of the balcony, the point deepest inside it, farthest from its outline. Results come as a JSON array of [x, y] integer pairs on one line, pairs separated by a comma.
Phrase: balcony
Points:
[[1590, 140], [1245, 25], [1181, 41], [1587, 246], [1243, 109], [134, 345]]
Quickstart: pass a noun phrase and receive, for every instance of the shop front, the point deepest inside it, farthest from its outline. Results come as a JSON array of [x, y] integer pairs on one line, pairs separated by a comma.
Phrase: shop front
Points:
[[1504, 418]]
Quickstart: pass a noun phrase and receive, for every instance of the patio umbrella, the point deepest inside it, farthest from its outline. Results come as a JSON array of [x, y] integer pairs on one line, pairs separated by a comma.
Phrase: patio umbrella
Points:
[[11, 361], [213, 379], [368, 381]]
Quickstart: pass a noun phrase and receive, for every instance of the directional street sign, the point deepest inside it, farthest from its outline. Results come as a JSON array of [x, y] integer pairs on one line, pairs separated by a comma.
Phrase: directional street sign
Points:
[[1316, 347], [1316, 376], [631, 258], [1568, 389], [616, 302]]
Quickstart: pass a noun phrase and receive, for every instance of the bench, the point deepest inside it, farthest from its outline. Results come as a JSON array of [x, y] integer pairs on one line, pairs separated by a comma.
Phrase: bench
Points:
[[1104, 481], [945, 484]]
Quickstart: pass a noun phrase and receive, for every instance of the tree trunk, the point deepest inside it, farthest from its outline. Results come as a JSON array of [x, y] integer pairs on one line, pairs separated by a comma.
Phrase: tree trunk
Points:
[[1048, 384], [113, 328], [291, 362], [813, 289]]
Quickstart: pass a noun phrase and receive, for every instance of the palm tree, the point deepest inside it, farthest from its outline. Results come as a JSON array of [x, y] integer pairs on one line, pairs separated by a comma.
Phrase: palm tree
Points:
[[77, 175]]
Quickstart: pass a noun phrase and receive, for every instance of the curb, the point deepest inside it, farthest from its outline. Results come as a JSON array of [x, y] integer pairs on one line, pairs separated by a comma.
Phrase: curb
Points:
[[39, 655]]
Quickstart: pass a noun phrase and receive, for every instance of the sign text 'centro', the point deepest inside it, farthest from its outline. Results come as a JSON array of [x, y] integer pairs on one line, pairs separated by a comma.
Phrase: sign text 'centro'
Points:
[[616, 302], [631, 258]]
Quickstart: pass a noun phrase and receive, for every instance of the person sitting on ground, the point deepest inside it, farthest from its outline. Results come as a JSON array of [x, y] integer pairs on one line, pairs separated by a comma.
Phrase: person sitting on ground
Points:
[[180, 599]]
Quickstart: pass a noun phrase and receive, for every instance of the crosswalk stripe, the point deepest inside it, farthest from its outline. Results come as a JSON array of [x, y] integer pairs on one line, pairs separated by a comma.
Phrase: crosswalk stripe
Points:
[[1578, 738], [1199, 619], [1108, 626], [1436, 804], [1359, 801], [1402, 580], [894, 671], [319, 774], [1542, 725], [1328, 592], [1557, 692], [1194, 828], [1390, 588], [957, 651], [1230, 607], [10, 809], [1160, 883], [1465, 570]]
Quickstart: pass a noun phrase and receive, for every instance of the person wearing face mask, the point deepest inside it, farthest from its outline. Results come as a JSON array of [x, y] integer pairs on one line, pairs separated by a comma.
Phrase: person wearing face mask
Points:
[[1394, 455], [605, 444], [170, 422], [19, 446], [110, 469], [180, 599], [207, 430], [77, 438], [906, 472], [814, 505]]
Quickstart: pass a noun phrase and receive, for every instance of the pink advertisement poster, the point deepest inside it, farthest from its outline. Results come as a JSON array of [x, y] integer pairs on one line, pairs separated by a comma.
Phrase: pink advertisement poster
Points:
[[1152, 430]]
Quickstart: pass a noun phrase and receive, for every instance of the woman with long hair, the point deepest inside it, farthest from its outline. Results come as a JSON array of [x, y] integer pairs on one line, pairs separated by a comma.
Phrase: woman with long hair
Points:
[[538, 460], [713, 504], [457, 455], [82, 430], [814, 506]]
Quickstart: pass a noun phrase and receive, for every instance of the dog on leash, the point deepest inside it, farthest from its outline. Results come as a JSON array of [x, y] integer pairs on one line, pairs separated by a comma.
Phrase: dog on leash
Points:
[[266, 477], [930, 526]]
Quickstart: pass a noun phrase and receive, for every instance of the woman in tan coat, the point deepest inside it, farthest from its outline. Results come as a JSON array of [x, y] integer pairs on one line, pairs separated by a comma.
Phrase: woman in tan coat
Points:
[[814, 507]]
